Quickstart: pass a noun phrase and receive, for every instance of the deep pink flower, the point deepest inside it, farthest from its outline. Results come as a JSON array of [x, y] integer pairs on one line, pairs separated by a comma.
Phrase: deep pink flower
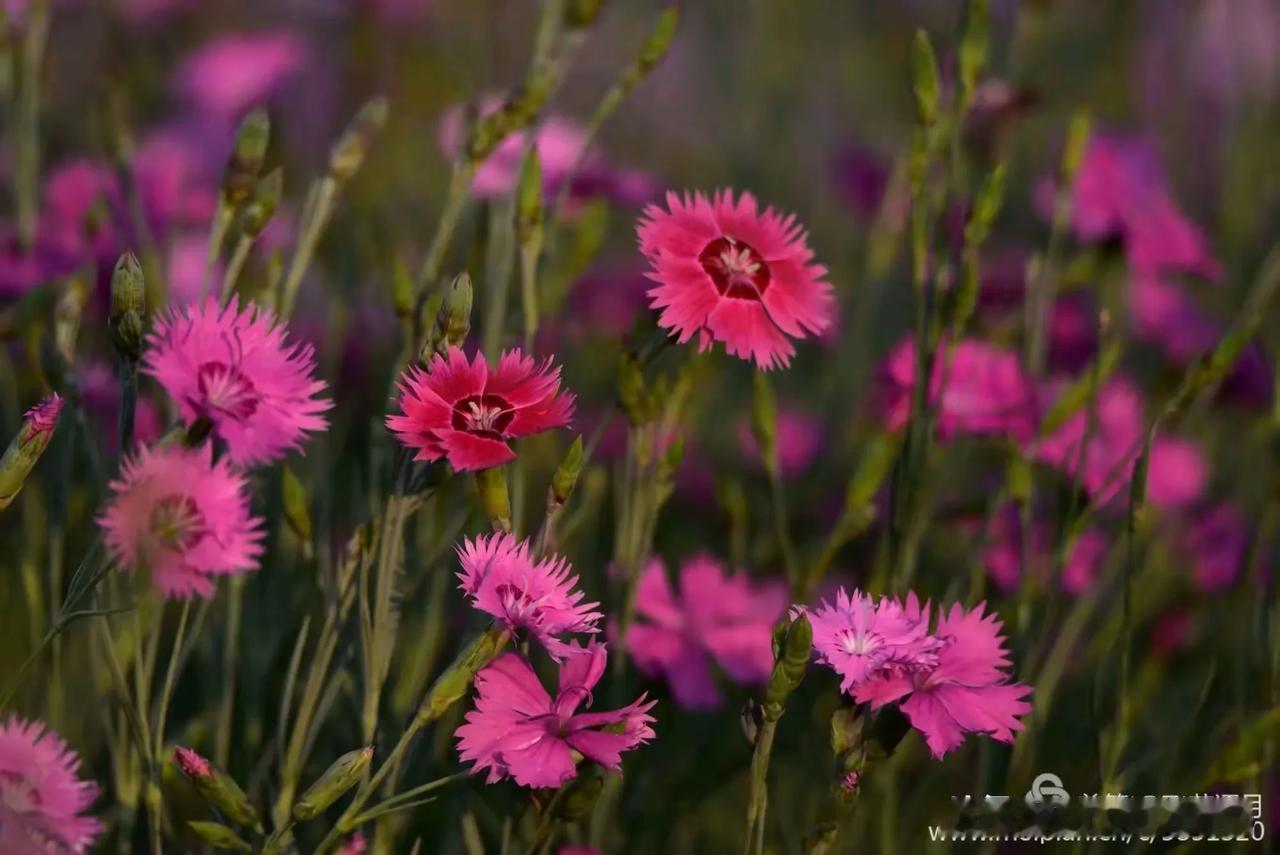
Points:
[[465, 413], [718, 617], [536, 596], [42, 801], [236, 368], [861, 639], [192, 764], [966, 692], [235, 72], [800, 440], [519, 731], [1003, 558], [1218, 542], [728, 272], [182, 517], [986, 391]]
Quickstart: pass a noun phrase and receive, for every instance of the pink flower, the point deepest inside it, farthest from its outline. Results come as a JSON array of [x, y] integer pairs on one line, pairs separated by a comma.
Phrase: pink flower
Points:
[[1003, 553], [356, 845], [182, 517], [861, 639], [519, 731], [718, 617], [193, 765], [42, 801], [236, 368], [800, 440], [967, 691], [1218, 542], [504, 580], [465, 413], [233, 73], [986, 391], [728, 272]]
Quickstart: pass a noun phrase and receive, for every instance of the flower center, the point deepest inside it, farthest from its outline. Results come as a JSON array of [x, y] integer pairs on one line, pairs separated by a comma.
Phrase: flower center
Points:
[[519, 606], [226, 389], [484, 414], [736, 268], [18, 794], [177, 523], [858, 644]]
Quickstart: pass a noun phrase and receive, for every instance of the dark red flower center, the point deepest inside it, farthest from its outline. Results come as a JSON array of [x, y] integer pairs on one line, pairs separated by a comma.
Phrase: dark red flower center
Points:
[[227, 390], [177, 523], [736, 268], [488, 415]]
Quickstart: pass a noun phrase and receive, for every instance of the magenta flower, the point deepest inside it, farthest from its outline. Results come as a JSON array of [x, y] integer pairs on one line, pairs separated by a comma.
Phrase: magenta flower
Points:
[[355, 845], [236, 368], [1218, 541], [967, 691], [519, 731], [465, 413], [182, 517], [986, 391], [538, 597], [719, 617], [42, 801], [232, 73], [800, 440], [1003, 557], [861, 639], [728, 272]]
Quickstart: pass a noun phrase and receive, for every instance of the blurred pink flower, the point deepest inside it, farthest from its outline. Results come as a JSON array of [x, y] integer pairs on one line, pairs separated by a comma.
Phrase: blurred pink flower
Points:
[[236, 367], [519, 731], [987, 392], [718, 616], [579, 850], [800, 440], [861, 639], [1003, 553], [232, 73], [194, 765], [1217, 540], [42, 801], [966, 692], [523, 593], [728, 272], [100, 391], [466, 413], [182, 517], [355, 845], [185, 270]]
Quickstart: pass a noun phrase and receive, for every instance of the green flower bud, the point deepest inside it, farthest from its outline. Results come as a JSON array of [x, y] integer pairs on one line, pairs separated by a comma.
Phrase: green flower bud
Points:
[[453, 321], [453, 684], [664, 32], [262, 206], [125, 318], [33, 438], [247, 155], [846, 730], [218, 835], [217, 788], [788, 667], [341, 776], [566, 477], [353, 146]]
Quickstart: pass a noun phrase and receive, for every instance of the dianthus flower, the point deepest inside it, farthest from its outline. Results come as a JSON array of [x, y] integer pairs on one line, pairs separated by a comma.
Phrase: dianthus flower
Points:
[[860, 638], [42, 801]]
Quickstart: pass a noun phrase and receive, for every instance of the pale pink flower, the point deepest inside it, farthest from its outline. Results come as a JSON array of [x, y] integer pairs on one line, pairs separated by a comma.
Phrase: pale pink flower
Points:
[[523, 593], [42, 801], [235, 72], [466, 413], [728, 272], [519, 731], [237, 369], [861, 639], [182, 517], [967, 691], [718, 617]]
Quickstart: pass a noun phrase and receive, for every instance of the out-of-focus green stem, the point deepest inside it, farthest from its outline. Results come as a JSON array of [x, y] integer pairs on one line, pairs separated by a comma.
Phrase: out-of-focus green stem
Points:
[[217, 237], [318, 211], [230, 663], [27, 171], [758, 795]]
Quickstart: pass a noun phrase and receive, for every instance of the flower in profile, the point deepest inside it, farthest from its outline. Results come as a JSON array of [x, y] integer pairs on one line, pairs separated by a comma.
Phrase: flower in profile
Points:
[[861, 639], [536, 596], [728, 272], [466, 413], [985, 391], [42, 801], [183, 518], [233, 73], [718, 617], [800, 440], [966, 691], [236, 368], [519, 731]]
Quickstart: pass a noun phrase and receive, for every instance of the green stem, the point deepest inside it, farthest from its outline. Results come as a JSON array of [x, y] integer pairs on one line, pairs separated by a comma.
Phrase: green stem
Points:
[[27, 177], [231, 655], [321, 208], [217, 237], [759, 793], [235, 266]]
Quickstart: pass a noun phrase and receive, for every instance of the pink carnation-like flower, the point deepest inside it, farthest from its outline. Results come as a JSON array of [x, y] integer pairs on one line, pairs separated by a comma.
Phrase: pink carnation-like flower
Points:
[[967, 691], [233, 73], [718, 617], [861, 639], [1003, 553], [519, 731], [800, 440], [728, 272], [42, 801], [538, 597], [183, 517], [986, 391], [465, 413], [236, 368]]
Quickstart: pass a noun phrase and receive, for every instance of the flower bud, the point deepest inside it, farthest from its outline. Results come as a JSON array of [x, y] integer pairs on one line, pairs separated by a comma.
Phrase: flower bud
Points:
[[793, 650], [218, 835], [216, 787], [664, 31], [341, 776], [452, 685], [353, 146], [846, 730], [125, 318], [247, 155], [566, 477], [262, 206], [33, 438], [453, 321]]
